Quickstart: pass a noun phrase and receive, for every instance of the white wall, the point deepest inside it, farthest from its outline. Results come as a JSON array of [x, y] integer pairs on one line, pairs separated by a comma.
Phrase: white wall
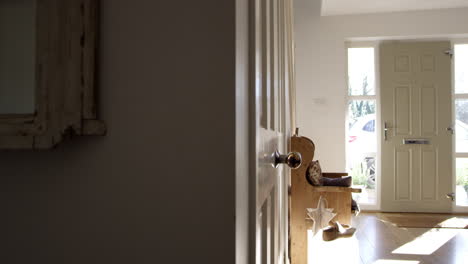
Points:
[[321, 64], [160, 187]]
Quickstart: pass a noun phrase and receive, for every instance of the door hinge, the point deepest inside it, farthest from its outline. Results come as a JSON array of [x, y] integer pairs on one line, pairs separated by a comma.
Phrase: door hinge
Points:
[[451, 196], [449, 52], [451, 130]]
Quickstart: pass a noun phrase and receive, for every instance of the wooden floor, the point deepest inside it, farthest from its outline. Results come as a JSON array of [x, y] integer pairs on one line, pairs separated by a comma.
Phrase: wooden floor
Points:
[[379, 242]]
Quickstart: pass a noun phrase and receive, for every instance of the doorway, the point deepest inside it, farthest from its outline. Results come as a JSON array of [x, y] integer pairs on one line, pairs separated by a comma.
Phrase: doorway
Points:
[[409, 86]]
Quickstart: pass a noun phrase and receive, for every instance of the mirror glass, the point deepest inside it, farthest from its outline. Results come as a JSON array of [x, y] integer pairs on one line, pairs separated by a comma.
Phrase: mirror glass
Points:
[[17, 56]]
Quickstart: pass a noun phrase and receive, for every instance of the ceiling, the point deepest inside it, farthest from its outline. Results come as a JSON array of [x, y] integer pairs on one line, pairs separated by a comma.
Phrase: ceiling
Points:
[[345, 7]]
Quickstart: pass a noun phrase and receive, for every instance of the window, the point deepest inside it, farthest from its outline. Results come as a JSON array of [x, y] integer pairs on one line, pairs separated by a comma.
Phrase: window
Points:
[[361, 71], [461, 171], [361, 148], [461, 68], [461, 123]]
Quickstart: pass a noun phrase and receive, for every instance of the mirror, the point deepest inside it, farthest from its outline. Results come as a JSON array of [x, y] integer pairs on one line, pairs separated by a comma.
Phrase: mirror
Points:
[[47, 72], [17, 56]]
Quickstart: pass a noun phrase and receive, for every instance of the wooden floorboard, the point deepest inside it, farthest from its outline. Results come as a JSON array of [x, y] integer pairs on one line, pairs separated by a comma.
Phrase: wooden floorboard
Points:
[[378, 241]]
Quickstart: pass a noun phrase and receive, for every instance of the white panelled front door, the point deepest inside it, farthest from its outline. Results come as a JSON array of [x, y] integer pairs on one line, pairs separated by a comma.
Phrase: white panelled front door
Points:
[[416, 112]]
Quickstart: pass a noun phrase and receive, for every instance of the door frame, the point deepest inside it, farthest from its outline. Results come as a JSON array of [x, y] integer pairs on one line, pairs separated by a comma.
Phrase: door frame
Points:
[[243, 170], [374, 43]]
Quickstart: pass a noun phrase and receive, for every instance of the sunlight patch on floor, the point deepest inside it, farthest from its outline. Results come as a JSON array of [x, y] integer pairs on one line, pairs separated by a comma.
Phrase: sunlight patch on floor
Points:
[[455, 221], [427, 243], [394, 261], [341, 250]]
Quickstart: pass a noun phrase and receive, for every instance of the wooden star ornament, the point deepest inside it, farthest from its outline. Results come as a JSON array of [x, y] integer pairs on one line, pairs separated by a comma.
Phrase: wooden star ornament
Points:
[[321, 215]]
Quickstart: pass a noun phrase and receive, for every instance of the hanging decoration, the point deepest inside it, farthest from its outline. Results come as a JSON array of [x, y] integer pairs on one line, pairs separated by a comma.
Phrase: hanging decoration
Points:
[[320, 215]]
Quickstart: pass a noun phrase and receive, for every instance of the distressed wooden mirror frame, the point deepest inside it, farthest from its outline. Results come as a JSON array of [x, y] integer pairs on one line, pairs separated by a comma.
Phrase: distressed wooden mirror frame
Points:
[[65, 91]]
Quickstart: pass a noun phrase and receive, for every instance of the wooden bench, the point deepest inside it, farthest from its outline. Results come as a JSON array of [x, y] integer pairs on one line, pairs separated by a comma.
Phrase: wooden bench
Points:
[[303, 195]]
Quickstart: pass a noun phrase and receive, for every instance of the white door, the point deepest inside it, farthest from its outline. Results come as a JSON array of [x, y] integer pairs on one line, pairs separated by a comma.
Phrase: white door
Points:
[[416, 112], [271, 69]]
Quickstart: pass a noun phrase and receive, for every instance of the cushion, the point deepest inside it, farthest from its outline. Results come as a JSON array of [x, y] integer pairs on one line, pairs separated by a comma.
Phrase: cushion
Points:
[[341, 182], [314, 173]]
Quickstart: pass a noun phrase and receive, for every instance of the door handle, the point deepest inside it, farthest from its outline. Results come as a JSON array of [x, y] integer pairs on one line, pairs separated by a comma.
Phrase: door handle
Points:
[[292, 159], [386, 129]]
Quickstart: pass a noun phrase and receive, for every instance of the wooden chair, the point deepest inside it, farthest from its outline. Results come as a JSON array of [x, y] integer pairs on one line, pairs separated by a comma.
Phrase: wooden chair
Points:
[[303, 195]]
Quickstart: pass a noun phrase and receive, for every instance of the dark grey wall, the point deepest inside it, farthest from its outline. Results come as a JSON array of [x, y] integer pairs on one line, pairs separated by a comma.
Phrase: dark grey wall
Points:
[[159, 188]]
